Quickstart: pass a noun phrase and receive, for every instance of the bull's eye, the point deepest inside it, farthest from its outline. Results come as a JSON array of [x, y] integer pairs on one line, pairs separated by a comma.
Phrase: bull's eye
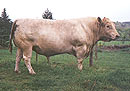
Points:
[[108, 27]]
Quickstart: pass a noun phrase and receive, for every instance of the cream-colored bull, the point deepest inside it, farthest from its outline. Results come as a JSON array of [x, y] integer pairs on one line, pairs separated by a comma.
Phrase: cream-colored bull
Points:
[[52, 37]]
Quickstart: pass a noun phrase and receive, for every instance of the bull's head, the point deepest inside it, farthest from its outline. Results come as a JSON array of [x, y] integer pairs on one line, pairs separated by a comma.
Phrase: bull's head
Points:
[[107, 29]]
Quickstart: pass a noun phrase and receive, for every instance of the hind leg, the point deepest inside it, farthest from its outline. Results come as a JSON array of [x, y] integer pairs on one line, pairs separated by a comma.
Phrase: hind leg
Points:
[[48, 60], [19, 56], [27, 53]]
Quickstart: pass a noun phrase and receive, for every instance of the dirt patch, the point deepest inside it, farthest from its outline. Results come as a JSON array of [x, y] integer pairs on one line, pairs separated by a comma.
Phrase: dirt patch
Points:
[[115, 47]]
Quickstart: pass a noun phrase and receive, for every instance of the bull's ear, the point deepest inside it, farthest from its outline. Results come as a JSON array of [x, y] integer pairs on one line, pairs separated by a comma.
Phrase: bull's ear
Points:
[[99, 20], [104, 18]]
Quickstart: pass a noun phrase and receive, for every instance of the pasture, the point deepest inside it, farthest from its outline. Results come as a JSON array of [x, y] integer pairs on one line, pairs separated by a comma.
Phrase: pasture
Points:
[[111, 72]]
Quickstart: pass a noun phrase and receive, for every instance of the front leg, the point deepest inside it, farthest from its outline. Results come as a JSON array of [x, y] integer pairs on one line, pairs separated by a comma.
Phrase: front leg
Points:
[[81, 53], [80, 66]]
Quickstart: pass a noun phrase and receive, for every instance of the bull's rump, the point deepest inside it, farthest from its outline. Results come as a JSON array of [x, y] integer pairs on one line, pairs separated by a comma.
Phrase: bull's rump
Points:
[[47, 37]]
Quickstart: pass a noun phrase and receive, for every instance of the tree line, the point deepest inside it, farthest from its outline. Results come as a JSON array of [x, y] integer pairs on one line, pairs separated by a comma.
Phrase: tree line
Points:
[[5, 27]]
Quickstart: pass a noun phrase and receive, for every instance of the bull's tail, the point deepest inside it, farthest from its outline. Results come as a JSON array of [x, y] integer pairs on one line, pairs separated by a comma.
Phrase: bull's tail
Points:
[[12, 35]]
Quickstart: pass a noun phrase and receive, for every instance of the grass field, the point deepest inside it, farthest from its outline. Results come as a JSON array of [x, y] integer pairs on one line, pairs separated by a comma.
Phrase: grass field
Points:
[[111, 72], [114, 43]]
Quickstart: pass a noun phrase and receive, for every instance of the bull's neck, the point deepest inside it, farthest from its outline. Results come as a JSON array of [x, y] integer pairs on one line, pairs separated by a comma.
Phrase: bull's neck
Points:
[[94, 29]]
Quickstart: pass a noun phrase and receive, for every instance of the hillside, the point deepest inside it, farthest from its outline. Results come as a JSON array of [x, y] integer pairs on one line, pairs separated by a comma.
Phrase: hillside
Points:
[[122, 25]]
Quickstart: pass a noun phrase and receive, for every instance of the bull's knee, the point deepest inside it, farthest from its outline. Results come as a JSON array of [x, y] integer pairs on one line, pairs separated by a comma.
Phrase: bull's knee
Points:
[[25, 58]]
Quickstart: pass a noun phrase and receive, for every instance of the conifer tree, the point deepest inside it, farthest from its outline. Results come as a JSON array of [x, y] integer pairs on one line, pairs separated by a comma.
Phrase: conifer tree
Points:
[[47, 14], [4, 14], [5, 27]]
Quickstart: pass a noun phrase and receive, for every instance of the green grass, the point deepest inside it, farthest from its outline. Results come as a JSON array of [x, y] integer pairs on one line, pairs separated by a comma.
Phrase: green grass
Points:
[[111, 72], [114, 43]]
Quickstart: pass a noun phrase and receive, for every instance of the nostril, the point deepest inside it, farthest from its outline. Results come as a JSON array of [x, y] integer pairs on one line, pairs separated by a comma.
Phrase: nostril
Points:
[[117, 36]]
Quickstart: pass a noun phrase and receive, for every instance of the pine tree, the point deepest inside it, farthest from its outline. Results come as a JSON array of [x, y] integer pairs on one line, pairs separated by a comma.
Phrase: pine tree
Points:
[[4, 14], [5, 27], [47, 14]]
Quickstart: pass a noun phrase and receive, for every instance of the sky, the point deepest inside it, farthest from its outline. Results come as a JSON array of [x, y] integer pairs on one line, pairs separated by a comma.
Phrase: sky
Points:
[[116, 10]]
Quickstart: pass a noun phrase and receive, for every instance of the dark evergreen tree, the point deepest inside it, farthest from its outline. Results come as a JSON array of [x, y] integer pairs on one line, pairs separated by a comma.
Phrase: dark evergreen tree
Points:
[[5, 27], [4, 14], [47, 14]]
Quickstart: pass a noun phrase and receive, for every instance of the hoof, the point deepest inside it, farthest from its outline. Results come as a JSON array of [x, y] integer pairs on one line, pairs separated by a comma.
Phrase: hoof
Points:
[[32, 73], [17, 71], [80, 67], [80, 70]]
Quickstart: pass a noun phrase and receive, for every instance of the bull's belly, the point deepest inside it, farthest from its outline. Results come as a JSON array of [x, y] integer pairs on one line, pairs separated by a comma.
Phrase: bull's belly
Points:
[[51, 52]]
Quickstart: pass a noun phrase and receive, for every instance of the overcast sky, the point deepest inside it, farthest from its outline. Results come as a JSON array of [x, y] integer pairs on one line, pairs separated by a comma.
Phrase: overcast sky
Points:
[[116, 10]]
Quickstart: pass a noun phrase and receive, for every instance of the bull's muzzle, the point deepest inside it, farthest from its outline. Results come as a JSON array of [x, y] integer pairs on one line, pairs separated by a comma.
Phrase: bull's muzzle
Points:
[[117, 36]]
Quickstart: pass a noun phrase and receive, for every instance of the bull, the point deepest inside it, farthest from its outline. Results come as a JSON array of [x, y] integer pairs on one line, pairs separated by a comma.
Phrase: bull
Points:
[[52, 37]]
